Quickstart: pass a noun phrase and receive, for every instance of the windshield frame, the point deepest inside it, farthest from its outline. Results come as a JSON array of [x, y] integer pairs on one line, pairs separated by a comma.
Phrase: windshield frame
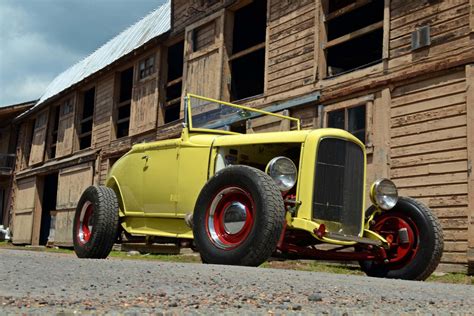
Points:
[[189, 117]]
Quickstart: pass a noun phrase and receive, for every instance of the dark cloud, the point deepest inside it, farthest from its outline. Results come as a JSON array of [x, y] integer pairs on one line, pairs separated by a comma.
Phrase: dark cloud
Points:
[[41, 38]]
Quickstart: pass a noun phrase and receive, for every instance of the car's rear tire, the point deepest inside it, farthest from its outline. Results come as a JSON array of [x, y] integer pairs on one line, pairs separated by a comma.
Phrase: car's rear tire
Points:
[[420, 252], [96, 223], [238, 217]]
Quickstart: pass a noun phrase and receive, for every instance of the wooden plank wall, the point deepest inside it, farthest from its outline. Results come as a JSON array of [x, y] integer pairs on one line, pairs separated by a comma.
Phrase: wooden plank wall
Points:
[[449, 23], [186, 12], [290, 52], [103, 112], [203, 68], [39, 138], [66, 131], [71, 183], [23, 212], [144, 108], [429, 155], [470, 156]]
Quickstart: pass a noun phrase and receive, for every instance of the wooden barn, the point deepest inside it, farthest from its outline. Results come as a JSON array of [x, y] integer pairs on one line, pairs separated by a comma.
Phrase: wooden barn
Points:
[[398, 74]]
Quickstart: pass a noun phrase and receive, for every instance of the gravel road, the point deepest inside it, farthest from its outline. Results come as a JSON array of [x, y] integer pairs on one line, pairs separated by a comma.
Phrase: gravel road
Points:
[[42, 282]]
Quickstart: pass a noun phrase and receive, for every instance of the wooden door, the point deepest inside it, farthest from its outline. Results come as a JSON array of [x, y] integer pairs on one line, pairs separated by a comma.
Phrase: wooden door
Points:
[[204, 51], [39, 138], [24, 210], [144, 106], [71, 184], [65, 141]]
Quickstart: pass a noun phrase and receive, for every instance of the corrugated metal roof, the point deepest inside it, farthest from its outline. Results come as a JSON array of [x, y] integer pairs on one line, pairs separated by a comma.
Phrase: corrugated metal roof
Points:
[[154, 24]]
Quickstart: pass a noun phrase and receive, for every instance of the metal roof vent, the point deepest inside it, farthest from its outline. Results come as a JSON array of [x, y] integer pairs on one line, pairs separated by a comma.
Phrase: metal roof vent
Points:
[[421, 37]]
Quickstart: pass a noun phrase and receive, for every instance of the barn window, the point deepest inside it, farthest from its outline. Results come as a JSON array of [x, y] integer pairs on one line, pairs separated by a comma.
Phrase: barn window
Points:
[[351, 119], [146, 67], [353, 34], [247, 61], [54, 132], [124, 101], [174, 82], [85, 124]]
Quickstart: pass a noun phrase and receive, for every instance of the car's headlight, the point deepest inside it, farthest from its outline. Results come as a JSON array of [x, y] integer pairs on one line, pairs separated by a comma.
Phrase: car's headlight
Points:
[[283, 171], [384, 194]]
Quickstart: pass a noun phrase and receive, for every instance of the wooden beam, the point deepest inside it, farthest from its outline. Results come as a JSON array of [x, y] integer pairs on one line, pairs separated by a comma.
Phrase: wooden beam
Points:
[[355, 34], [37, 211], [347, 9], [247, 51], [386, 30], [317, 47], [470, 157], [471, 15], [356, 85], [173, 82]]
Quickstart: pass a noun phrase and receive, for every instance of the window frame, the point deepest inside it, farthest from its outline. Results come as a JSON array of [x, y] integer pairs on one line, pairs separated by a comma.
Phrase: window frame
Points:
[[151, 69], [166, 83], [231, 57], [80, 120], [368, 102], [321, 37], [119, 104]]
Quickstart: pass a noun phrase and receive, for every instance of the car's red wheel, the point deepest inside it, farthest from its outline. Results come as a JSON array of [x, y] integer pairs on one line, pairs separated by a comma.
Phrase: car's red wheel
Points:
[[230, 217], [95, 223], [402, 233], [238, 217], [84, 223], [416, 242]]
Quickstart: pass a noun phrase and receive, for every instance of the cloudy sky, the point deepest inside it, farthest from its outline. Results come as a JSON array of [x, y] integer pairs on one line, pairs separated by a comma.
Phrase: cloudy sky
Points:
[[41, 38]]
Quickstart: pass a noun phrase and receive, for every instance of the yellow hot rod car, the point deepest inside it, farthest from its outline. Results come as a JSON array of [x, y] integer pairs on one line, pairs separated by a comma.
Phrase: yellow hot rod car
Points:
[[241, 198]]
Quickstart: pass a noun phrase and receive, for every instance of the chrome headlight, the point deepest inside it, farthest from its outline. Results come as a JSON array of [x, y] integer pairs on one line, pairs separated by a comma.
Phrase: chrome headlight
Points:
[[283, 171], [384, 194]]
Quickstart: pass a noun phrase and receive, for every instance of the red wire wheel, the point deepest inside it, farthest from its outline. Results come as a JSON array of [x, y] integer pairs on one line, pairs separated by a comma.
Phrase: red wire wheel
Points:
[[84, 224], [230, 217], [416, 242], [403, 234]]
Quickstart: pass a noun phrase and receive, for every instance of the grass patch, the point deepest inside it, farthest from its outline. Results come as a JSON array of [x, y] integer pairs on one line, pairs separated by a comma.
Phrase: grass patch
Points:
[[456, 278]]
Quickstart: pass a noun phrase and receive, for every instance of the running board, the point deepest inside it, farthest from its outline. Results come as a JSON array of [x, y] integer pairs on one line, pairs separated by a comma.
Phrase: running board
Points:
[[361, 240]]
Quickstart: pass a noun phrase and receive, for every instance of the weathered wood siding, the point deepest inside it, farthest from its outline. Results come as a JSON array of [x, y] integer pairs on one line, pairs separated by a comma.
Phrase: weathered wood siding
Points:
[[144, 108], [103, 112], [203, 66], [39, 138], [66, 131], [24, 210], [71, 184], [428, 150], [186, 12], [290, 40], [470, 155], [449, 23]]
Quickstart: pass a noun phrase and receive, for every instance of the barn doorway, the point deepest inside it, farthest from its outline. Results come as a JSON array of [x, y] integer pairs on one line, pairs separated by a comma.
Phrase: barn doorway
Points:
[[48, 204]]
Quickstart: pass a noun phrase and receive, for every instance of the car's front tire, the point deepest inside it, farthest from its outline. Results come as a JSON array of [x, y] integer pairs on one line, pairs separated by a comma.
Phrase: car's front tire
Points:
[[417, 242], [96, 223], [238, 217]]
